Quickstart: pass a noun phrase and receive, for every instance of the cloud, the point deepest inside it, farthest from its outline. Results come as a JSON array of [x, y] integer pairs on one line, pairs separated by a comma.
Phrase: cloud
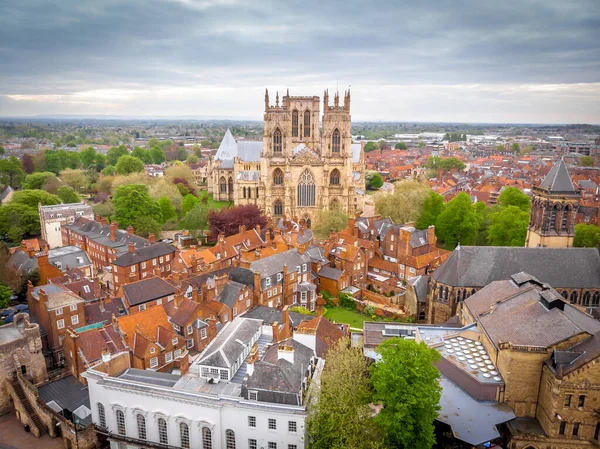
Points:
[[134, 54]]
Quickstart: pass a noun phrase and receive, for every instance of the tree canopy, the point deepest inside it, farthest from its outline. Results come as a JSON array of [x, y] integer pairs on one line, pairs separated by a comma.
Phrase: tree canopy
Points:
[[458, 222], [373, 180], [31, 198], [129, 164], [113, 155], [144, 226], [329, 220], [508, 226], [586, 161], [370, 146], [67, 195], [401, 146], [37, 180], [166, 208], [432, 208], [132, 201], [586, 235], [158, 155], [228, 220], [512, 196], [444, 164], [11, 173], [406, 382], [405, 203], [142, 154]]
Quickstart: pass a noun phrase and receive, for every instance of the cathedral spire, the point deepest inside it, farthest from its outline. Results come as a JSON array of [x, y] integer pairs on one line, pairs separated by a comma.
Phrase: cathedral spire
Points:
[[558, 179], [277, 99], [266, 99]]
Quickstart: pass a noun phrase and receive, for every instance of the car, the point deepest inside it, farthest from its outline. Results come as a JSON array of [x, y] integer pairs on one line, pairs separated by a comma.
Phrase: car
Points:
[[167, 241]]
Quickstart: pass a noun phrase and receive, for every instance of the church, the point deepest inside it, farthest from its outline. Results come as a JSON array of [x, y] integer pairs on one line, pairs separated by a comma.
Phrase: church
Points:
[[304, 164]]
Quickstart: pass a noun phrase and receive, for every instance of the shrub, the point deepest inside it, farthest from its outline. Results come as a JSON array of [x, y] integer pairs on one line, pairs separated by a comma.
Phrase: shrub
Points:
[[369, 310], [347, 301], [302, 310]]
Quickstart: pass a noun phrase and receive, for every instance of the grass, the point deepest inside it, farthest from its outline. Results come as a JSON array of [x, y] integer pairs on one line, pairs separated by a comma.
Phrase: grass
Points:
[[346, 316], [212, 204]]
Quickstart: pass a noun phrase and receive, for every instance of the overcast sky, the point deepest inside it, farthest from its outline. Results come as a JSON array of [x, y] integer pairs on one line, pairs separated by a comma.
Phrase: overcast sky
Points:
[[534, 61]]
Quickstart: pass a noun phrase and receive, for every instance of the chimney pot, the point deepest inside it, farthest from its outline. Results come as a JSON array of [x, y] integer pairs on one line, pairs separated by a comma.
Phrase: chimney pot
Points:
[[131, 247], [242, 229], [113, 230], [130, 230], [152, 237]]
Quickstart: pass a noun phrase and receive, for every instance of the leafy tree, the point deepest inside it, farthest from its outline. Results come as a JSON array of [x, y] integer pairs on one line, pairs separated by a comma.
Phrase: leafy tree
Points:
[[154, 142], [432, 208], [401, 146], [88, 156], [183, 190], [189, 202], [192, 159], [104, 184], [228, 221], [370, 146], [18, 219], [455, 137], [500, 147], [329, 220], [405, 203], [421, 145], [100, 162], [109, 170], [528, 149], [586, 235], [37, 180], [129, 164], [164, 188], [444, 164], [196, 219], [5, 294], [144, 226], [373, 180], [32, 198], [142, 154], [132, 201], [342, 417], [113, 155], [67, 195], [27, 163], [158, 155], [2, 150], [182, 154], [180, 173], [508, 227], [458, 222], [515, 148], [166, 208], [132, 178], [586, 161], [11, 173], [77, 179], [103, 209], [512, 196], [406, 382]]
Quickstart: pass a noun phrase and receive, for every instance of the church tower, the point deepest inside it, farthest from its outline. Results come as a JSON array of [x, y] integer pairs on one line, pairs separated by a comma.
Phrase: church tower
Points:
[[553, 210]]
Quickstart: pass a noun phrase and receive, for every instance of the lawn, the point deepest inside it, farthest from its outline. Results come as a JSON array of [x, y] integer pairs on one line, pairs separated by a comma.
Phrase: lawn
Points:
[[212, 204], [346, 316]]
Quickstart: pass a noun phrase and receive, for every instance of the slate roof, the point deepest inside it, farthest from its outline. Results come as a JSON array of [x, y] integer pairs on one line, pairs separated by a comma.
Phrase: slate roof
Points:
[[102, 311], [143, 254], [4, 194], [478, 266], [150, 377], [230, 293], [68, 393], [147, 290], [247, 151], [558, 179], [330, 273], [243, 276], [567, 361], [274, 264], [68, 256], [270, 315], [420, 284], [227, 148]]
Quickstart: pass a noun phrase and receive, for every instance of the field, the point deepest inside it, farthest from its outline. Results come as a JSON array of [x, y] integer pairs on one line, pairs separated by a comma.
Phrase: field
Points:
[[212, 204], [341, 315]]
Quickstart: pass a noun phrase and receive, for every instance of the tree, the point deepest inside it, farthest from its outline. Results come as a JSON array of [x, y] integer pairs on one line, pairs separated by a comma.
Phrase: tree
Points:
[[432, 208], [77, 179], [109, 170], [192, 159], [17, 219], [401, 146], [132, 201], [11, 173], [88, 157], [132, 178], [341, 418], [196, 219], [144, 226], [158, 155], [129, 164], [500, 147], [373, 180], [508, 226], [228, 221], [32, 198], [164, 188], [179, 172], [113, 155], [100, 162], [586, 235], [515, 148], [166, 208], [103, 209], [370, 146], [458, 222], [142, 154], [512, 196], [182, 154], [67, 195], [528, 149], [104, 184], [444, 164], [405, 203], [27, 163], [329, 220], [421, 145], [406, 382], [5, 295], [189, 202], [37, 180], [586, 161]]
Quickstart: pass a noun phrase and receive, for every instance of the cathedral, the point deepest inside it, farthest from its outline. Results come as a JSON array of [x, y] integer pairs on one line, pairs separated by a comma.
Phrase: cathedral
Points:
[[303, 164]]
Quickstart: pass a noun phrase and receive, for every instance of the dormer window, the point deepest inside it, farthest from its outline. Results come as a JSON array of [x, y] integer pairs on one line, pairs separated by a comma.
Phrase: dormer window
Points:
[[152, 350], [174, 341]]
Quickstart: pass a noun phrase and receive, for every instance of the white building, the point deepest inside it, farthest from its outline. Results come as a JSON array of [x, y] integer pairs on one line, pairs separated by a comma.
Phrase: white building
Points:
[[53, 217]]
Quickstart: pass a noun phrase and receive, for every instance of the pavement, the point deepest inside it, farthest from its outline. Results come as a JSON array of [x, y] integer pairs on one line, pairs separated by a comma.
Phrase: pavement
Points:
[[13, 436]]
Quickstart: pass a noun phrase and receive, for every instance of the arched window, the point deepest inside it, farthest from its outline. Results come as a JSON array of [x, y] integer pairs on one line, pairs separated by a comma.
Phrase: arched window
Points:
[[249, 192], [163, 435], [230, 184], [256, 193], [230, 439], [336, 141], [294, 123], [206, 438], [277, 177], [565, 218], [441, 293], [277, 208], [277, 141], [565, 294], [421, 316], [223, 184], [553, 217], [334, 177], [586, 299], [446, 294], [306, 189], [306, 123], [184, 433], [244, 189], [596, 299], [573, 297], [459, 296], [101, 415], [141, 425], [120, 422]]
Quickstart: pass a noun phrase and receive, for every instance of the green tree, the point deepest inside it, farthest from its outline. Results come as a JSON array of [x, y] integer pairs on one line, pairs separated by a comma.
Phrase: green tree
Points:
[[142, 154], [37, 180], [189, 202], [109, 170], [586, 235], [508, 226], [88, 157], [67, 195], [586, 161], [77, 179], [444, 164], [166, 208], [421, 145], [182, 154], [406, 382], [341, 419], [512, 196], [158, 155], [129, 164], [144, 226], [100, 162], [17, 219], [132, 201], [432, 208], [373, 180], [515, 148], [103, 209], [329, 220], [401, 146], [11, 173], [5, 294], [370, 146], [458, 222], [192, 159], [500, 147], [196, 219], [113, 155], [32, 198], [405, 203]]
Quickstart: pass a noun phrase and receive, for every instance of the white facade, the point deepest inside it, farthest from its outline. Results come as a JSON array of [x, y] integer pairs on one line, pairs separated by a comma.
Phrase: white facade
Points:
[[53, 217], [198, 410]]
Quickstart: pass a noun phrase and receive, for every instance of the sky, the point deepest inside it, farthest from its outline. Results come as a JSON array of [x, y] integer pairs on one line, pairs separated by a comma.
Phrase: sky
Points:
[[478, 61]]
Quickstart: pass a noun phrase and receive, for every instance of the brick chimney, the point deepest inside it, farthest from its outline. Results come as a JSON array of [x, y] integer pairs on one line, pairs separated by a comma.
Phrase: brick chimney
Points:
[[431, 236], [131, 247], [152, 238], [257, 253], [242, 229], [320, 302], [103, 221], [98, 218], [257, 227], [257, 289], [275, 327], [130, 230], [113, 230]]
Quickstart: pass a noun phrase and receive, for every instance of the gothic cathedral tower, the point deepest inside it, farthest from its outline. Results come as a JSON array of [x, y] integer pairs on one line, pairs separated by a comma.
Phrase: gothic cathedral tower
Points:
[[553, 210]]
